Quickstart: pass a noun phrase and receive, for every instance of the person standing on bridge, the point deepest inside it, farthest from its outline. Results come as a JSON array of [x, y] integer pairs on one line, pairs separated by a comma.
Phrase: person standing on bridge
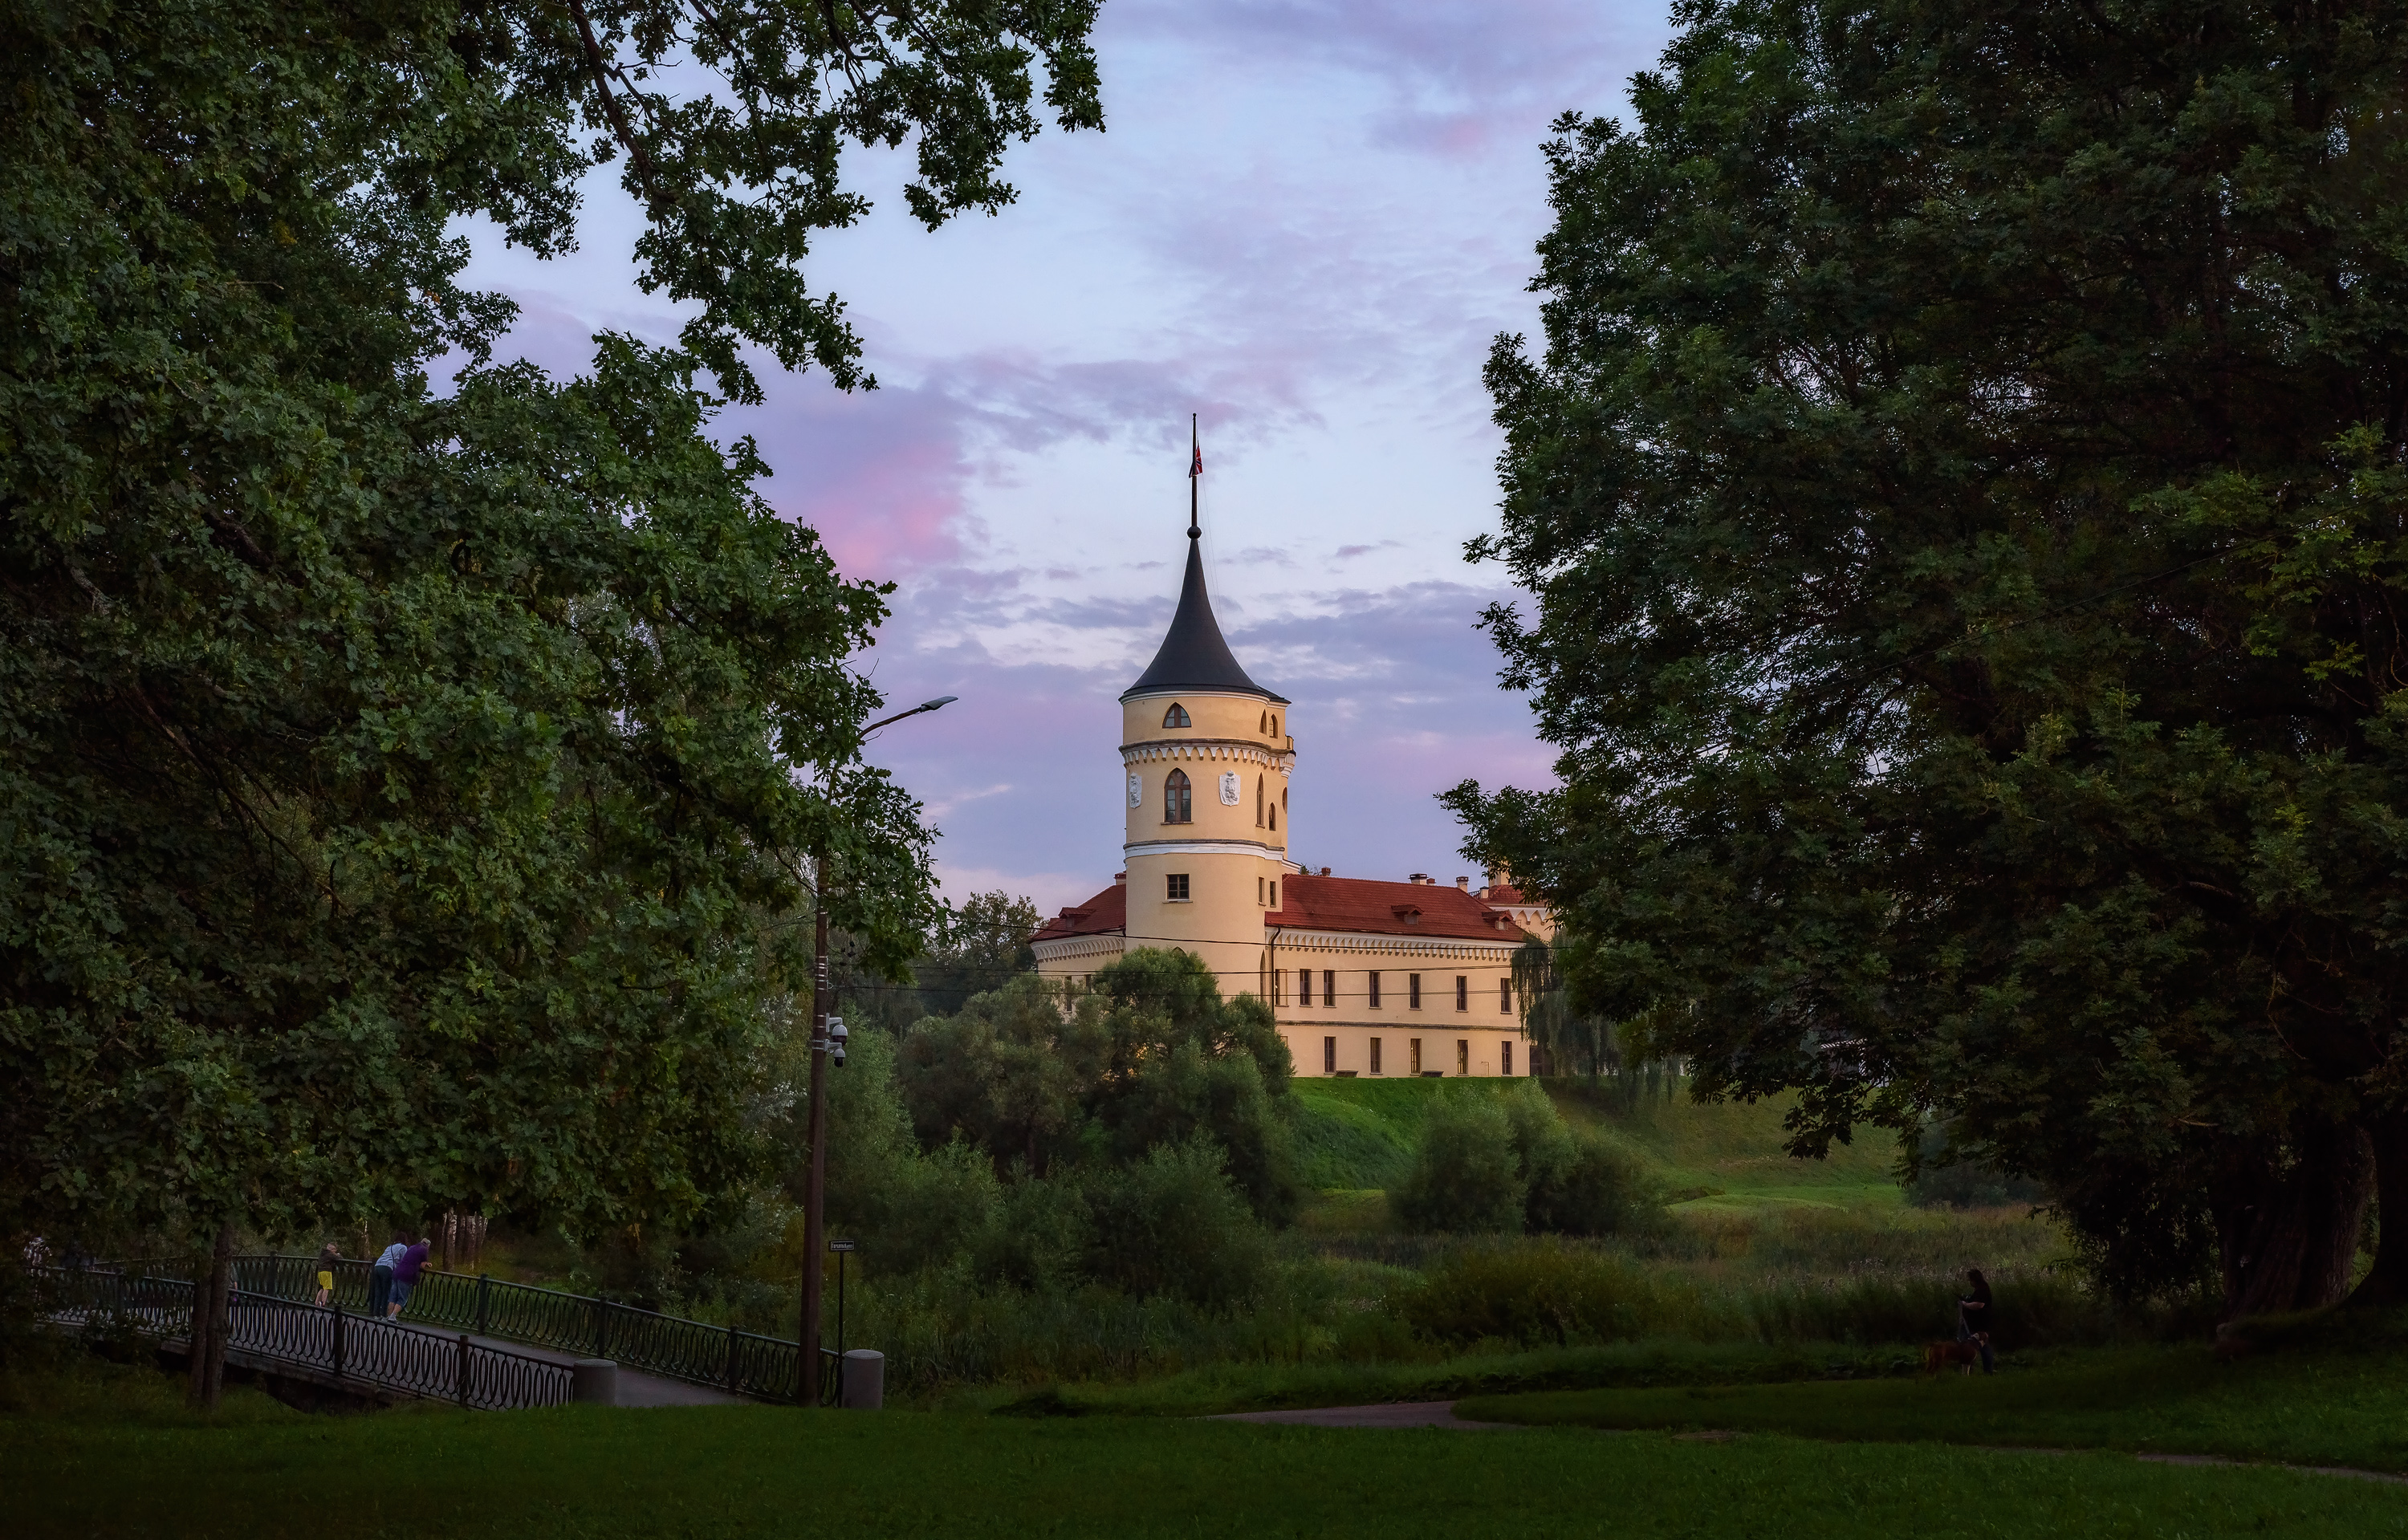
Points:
[[325, 1270], [405, 1275], [380, 1276]]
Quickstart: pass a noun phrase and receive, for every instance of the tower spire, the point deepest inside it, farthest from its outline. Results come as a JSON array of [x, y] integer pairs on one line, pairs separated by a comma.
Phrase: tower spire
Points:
[[1195, 474]]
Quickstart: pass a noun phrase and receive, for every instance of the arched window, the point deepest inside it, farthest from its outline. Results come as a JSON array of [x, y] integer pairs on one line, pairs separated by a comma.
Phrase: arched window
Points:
[[1274, 818], [1259, 802], [1264, 726], [1176, 716], [1178, 799]]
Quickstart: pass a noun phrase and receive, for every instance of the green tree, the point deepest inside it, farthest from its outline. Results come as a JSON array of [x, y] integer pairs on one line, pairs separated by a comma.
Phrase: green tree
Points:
[[1150, 1055], [401, 794], [1963, 495], [1467, 1177], [980, 947]]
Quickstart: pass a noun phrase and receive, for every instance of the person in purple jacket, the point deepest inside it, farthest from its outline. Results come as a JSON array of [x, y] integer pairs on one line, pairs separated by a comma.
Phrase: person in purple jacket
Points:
[[405, 1276]]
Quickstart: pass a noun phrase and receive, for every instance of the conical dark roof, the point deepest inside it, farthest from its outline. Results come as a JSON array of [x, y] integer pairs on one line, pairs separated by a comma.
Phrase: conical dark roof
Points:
[[1193, 655]]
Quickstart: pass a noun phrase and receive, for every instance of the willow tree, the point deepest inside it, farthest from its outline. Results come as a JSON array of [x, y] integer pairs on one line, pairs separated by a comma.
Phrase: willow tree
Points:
[[1963, 492], [404, 796]]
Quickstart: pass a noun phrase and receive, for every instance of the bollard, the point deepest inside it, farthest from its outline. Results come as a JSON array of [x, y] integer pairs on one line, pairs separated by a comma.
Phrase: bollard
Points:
[[596, 1381], [861, 1380]]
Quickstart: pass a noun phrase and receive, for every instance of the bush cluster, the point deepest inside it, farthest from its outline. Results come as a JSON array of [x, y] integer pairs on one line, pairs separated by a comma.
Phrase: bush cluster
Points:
[[1489, 1164], [1134, 1137]]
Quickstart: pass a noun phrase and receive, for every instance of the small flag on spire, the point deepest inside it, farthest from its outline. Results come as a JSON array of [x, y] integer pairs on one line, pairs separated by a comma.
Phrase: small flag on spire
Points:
[[1198, 469]]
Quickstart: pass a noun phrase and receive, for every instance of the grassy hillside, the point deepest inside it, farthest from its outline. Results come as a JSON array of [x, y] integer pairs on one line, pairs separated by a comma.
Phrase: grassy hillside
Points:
[[740, 1471], [1359, 1134]]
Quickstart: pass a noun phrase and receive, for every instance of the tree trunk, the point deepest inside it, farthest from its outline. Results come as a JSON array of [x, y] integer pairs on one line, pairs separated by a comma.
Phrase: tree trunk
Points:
[[2386, 1284], [2287, 1239], [213, 1300]]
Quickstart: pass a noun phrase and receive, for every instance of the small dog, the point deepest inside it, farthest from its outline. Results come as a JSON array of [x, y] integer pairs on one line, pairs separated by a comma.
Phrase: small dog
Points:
[[1938, 1355]]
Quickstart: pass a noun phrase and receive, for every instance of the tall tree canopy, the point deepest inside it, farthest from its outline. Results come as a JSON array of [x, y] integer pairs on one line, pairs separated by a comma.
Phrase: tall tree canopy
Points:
[[1964, 495], [402, 795]]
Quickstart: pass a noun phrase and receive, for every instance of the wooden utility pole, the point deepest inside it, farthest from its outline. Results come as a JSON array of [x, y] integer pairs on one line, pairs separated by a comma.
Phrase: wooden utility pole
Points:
[[815, 1187]]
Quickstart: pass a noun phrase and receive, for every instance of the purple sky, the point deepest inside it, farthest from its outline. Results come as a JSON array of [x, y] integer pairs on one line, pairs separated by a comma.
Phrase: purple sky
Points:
[[1304, 222]]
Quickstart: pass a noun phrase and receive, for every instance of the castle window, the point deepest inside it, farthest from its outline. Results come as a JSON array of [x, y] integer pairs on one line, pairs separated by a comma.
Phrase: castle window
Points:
[[1178, 885], [1375, 991], [1507, 1049], [1259, 802], [1505, 996], [1274, 895], [1178, 799], [1416, 1047], [1329, 1056], [1274, 818], [1375, 1056], [1304, 986], [1330, 987], [1463, 1056], [1462, 992], [1413, 991], [1279, 985], [1177, 717]]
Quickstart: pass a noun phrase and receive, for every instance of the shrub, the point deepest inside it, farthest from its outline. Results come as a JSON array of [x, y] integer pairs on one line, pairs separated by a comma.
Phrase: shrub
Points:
[[1596, 1191], [1038, 1238], [1466, 1178], [1535, 1293], [1174, 1224]]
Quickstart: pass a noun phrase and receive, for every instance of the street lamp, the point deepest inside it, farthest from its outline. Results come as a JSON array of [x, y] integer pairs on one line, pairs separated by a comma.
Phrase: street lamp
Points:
[[924, 705], [829, 1035]]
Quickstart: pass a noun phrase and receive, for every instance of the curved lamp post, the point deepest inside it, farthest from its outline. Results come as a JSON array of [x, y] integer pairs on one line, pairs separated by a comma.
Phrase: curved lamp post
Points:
[[826, 1033]]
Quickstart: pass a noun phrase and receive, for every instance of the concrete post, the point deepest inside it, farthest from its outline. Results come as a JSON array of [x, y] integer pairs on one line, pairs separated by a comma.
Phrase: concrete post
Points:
[[596, 1382], [861, 1385]]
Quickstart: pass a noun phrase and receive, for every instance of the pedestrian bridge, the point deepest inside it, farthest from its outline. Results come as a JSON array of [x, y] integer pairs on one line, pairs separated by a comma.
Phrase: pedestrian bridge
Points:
[[479, 1341]]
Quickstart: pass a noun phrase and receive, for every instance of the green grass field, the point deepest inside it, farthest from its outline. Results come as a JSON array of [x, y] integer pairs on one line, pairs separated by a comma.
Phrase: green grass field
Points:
[[1359, 1135], [2330, 1406], [91, 1468]]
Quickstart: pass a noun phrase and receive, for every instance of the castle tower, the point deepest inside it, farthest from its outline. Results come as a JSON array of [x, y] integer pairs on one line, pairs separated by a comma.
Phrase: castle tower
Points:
[[1362, 977], [1205, 759]]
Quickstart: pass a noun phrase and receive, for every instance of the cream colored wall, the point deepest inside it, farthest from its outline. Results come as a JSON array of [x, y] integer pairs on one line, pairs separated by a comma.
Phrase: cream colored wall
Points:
[[1484, 1048], [1230, 880], [1353, 1020], [1075, 957]]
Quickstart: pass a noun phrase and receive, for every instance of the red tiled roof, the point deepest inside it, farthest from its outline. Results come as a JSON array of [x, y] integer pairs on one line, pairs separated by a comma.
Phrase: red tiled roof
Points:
[[1327, 904], [1106, 912], [1388, 909], [1498, 892]]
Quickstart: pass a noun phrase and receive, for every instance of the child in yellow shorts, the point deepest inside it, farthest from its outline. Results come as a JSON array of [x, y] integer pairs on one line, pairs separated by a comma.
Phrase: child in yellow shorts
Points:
[[326, 1261]]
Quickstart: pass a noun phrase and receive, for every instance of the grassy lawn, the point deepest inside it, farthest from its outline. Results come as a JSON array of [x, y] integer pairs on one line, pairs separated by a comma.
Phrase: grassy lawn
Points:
[[89, 1469], [1359, 1134], [1251, 1386], [2311, 1407]]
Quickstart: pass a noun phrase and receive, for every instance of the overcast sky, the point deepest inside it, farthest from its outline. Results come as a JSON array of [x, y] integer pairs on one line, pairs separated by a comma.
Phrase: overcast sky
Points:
[[1305, 221]]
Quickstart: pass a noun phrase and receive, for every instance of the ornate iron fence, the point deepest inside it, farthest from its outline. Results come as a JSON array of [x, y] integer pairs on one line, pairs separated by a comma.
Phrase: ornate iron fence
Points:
[[331, 1339], [739, 1362]]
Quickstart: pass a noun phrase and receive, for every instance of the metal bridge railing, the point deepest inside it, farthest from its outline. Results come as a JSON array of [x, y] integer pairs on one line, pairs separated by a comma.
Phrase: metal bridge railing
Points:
[[334, 1339], [739, 1362]]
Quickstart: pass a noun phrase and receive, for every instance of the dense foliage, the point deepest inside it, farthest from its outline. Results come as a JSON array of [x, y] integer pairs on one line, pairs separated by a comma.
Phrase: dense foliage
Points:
[[404, 796], [1148, 1056], [1136, 1137], [1491, 1165], [1965, 494]]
